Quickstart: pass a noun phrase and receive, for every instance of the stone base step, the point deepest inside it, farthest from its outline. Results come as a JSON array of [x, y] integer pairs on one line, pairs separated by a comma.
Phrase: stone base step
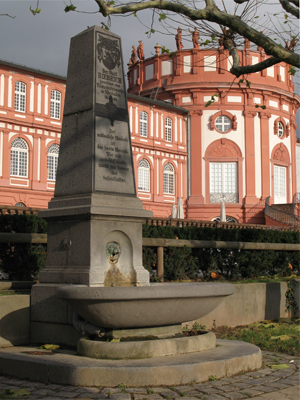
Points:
[[229, 358]]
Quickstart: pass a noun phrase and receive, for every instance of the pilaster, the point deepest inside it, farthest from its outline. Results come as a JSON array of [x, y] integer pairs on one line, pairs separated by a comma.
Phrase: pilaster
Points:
[[250, 173], [265, 154], [196, 157]]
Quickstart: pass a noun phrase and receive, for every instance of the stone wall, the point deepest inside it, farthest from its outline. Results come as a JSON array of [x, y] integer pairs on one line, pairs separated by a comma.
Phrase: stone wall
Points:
[[251, 303]]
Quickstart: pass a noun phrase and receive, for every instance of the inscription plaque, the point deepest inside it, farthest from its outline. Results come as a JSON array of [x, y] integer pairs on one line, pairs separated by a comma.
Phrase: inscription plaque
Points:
[[113, 156], [113, 159], [109, 71]]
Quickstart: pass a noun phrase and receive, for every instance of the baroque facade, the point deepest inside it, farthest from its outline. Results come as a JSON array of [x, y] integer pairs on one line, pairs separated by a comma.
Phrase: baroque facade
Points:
[[197, 134], [241, 148]]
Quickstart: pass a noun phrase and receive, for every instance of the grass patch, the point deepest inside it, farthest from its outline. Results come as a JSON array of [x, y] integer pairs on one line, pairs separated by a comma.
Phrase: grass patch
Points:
[[277, 336]]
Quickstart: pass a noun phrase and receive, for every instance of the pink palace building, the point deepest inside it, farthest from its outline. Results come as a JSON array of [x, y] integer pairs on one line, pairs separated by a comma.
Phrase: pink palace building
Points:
[[241, 149]]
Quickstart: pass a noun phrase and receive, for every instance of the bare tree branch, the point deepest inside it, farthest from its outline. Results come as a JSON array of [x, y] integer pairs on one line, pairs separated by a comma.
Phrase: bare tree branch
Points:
[[289, 8], [210, 13], [296, 2], [240, 1], [7, 15]]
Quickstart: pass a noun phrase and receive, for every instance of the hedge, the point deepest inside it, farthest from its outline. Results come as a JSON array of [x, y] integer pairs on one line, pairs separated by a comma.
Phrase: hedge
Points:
[[24, 261], [20, 261], [230, 264]]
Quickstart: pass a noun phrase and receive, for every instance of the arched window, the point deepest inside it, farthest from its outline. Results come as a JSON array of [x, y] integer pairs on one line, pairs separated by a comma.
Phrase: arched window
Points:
[[169, 181], [52, 158], [144, 176], [143, 124], [20, 96], [19, 158], [55, 104], [19, 204], [168, 130], [228, 219]]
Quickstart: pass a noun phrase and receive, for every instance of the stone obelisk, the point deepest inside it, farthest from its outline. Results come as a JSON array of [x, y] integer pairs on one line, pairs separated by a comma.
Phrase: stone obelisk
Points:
[[95, 218]]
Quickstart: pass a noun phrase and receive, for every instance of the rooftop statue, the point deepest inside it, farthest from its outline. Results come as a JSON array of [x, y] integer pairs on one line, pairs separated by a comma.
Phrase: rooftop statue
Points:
[[195, 38], [178, 39], [140, 51], [133, 55]]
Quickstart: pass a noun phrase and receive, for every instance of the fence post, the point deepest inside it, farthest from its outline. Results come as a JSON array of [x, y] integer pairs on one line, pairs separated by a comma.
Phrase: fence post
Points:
[[160, 263]]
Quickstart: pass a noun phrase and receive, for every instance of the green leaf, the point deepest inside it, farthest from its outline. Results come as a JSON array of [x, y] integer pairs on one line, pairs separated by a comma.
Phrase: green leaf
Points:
[[116, 340], [248, 84], [213, 37], [112, 3], [256, 16], [134, 14], [50, 346], [292, 71], [164, 50], [263, 107], [208, 103], [281, 366], [36, 11], [146, 33], [152, 30], [256, 105], [104, 26], [71, 7], [162, 16], [241, 81]]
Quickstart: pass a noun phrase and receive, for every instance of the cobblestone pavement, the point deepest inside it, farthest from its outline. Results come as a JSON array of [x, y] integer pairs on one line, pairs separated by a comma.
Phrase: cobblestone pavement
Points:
[[266, 383]]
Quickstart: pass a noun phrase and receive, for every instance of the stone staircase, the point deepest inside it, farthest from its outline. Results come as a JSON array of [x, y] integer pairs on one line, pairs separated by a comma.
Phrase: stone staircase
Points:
[[284, 214]]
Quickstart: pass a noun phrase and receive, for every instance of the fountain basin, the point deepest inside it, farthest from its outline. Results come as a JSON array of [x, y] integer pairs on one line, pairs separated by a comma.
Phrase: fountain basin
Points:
[[160, 304]]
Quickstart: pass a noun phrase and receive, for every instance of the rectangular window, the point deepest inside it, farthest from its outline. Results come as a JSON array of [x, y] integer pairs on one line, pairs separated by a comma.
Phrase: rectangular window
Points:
[[223, 182], [168, 130], [279, 184], [18, 163], [55, 104], [143, 124], [20, 96]]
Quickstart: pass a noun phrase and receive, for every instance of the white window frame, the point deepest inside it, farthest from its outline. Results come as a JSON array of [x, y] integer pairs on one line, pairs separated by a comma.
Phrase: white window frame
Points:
[[19, 158], [280, 130], [20, 96], [52, 161], [169, 179], [222, 186], [55, 104], [280, 179], [168, 129], [143, 176], [143, 124], [223, 123]]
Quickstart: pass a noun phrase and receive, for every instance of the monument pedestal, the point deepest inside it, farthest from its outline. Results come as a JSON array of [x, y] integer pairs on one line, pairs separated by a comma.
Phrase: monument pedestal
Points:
[[84, 230]]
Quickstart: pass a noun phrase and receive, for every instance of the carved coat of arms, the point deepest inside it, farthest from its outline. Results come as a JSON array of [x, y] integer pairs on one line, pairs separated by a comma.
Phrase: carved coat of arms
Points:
[[108, 52]]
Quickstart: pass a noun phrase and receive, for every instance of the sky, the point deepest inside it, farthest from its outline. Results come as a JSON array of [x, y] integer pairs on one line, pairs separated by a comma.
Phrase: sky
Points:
[[42, 41]]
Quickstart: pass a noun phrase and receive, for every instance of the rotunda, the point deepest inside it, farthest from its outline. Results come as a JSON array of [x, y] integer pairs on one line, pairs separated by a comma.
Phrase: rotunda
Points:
[[241, 132]]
